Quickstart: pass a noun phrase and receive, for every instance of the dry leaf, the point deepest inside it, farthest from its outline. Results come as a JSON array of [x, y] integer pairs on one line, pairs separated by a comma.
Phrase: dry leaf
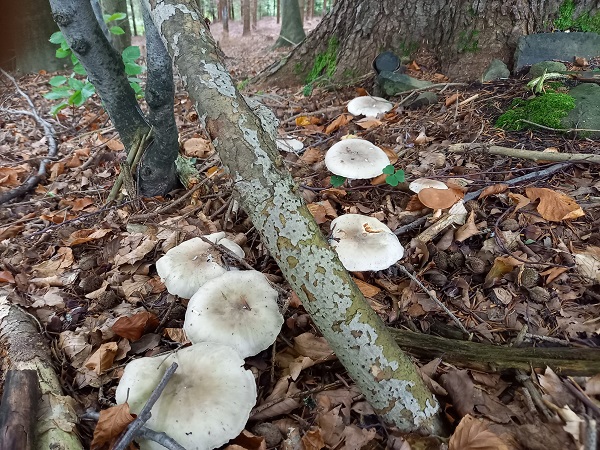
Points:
[[62, 260], [588, 263], [311, 155], [472, 434], [368, 290], [145, 247], [520, 200], [112, 422], [313, 439], [316, 348], [10, 231], [469, 229], [103, 358], [304, 121], [176, 335], [318, 212], [452, 99], [338, 122], [82, 236], [6, 277], [197, 148], [493, 189], [136, 326], [368, 123], [555, 206]]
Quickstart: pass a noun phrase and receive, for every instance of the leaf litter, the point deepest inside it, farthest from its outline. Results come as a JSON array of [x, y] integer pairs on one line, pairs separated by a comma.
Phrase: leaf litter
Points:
[[522, 269]]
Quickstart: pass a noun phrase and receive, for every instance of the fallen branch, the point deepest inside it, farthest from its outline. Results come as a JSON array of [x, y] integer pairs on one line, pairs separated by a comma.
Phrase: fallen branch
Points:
[[493, 358], [525, 154], [18, 410], [23, 348], [33, 180]]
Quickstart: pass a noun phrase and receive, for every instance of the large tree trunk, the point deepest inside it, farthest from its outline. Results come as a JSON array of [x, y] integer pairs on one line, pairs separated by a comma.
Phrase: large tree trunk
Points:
[[25, 27], [292, 31], [464, 35], [243, 133]]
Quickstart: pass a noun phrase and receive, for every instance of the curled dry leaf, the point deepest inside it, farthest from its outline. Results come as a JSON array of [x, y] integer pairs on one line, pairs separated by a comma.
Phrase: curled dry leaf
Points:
[[493, 189], [103, 358], [368, 290], [588, 263], [112, 422], [338, 122], [473, 434], [555, 206], [197, 148], [134, 327], [87, 235]]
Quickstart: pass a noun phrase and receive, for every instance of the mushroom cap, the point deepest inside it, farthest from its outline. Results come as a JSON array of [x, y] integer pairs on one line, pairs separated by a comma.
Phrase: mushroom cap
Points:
[[369, 106], [289, 145], [186, 267], [206, 403], [422, 183], [238, 309], [356, 158], [364, 243]]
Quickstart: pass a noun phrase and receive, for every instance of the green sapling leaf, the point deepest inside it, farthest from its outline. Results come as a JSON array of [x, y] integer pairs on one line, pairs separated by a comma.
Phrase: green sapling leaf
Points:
[[389, 170], [60, 53], [115, 16], [57, 38], [57, 80], [337, 181], [116, 30], [131, 53]]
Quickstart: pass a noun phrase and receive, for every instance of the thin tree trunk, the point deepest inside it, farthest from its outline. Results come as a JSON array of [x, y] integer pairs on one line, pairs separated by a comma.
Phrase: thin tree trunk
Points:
[[324, 10], [132, 15], [278, 10], [246, 18], [244, 138], [254, 13]]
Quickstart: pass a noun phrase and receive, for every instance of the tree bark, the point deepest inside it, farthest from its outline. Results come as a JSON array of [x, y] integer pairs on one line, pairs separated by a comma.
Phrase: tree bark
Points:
[[292, 32], [23, 348], [254, 13], [465, 36], [246, 17], [18, 409], [25, 27], [243, 133]]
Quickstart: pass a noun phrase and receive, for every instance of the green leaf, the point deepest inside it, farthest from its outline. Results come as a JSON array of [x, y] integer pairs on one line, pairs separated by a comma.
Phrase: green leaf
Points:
[[60, 53], [132, 68], [389, 170], [57, 80], [135, 80], [88, 90], [115, 16], [57, 38], [337, 181], [136, 88], [58, 93], [75, 84], [131, 53], [79, 69], [391, 180], [74, 59], [400, 176], [57, 108], [76, 99], [116, 30]]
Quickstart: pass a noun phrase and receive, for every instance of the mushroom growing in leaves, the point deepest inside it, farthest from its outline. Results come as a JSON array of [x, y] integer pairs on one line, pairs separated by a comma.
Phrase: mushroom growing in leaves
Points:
[[356, 158], [206, 403], [369, 106], [238, 309], [186, 267], [364, 243]]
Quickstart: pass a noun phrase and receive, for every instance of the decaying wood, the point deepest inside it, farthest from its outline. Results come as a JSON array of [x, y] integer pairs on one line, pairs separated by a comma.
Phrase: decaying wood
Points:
[[18, 410], [493, 358], [24, 349], [525, 154]]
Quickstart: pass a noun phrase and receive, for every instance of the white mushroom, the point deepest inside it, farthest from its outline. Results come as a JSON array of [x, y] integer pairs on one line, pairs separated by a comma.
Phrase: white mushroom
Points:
[[364, 243], [369, 106], [422, 183], [238, 309], [185, 268], [356, 158], [289, 145], [206, 403]]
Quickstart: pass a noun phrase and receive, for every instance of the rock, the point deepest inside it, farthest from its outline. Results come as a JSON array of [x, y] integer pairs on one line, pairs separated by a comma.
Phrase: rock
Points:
[[586, 113], [540, 47], [387, 62], [495, 71], [423, 99], [392, 83], [537, 69]]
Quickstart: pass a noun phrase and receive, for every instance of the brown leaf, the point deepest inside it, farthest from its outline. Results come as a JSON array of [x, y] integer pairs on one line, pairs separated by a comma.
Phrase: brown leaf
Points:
[[520, 200], [82, 236], [361, 92], [62, 260], [11, 231], [248, 441], [555, 206], [502, 266], [318, 212], [452, 99], [311, 155], [368, 122], [134, 327], [469, 229], [304, 121], [197, 148], [176, 335], [6, 277], [112, 422], [316, 348], [102, 359], [473, 434], [313, 439], [338, 122], [493, 189], [368, 290]]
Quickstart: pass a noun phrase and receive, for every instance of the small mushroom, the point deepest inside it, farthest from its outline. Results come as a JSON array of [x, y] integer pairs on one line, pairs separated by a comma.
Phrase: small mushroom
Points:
[[186, 267], [356, 158], [423, 183], [364, 243], [238, 309], [206, 403], [289, 145], [369, 106]]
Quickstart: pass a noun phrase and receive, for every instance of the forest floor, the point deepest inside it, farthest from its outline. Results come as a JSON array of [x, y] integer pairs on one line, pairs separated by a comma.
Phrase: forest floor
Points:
[[521, 274]]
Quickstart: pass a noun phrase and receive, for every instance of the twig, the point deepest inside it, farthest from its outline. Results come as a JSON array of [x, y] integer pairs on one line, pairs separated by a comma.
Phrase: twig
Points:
[[33, 180], [434, 298], [525, 380], [574, 388], [560, 130], [145, 414]]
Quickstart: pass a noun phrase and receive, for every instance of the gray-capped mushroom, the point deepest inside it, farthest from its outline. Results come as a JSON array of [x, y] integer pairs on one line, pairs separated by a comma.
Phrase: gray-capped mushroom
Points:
[[356, 158]]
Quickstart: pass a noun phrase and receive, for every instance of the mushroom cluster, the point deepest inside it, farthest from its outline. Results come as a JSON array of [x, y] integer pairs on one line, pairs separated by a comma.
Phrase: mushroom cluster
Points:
[[364, 243], [231, 315]]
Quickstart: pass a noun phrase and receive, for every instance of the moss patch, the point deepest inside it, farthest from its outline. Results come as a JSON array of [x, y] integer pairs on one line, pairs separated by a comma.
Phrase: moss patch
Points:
[[584, 22], [547, 110], [325, 63]]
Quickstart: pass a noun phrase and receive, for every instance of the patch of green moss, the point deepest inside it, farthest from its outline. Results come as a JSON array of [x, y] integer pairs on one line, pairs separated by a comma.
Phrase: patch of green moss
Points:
[[325, 63], [566, 21], [468, 42], [546, 110]]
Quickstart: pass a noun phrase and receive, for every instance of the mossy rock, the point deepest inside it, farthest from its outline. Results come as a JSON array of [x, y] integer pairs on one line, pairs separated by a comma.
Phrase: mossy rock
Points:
[[586, 114], [547, 110], [537, 69]]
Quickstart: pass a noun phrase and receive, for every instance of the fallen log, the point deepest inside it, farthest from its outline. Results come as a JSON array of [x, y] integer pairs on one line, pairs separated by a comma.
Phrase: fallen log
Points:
[[18, 410]]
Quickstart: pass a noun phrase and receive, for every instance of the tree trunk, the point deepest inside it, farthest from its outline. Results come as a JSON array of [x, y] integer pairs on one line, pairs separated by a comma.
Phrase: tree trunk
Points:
[[465, 36], [292, 32], [243, 132], [278, 10], [224, 10], [25, 27], [132, 15], [246, 17], [120, 41], [254, 13]]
